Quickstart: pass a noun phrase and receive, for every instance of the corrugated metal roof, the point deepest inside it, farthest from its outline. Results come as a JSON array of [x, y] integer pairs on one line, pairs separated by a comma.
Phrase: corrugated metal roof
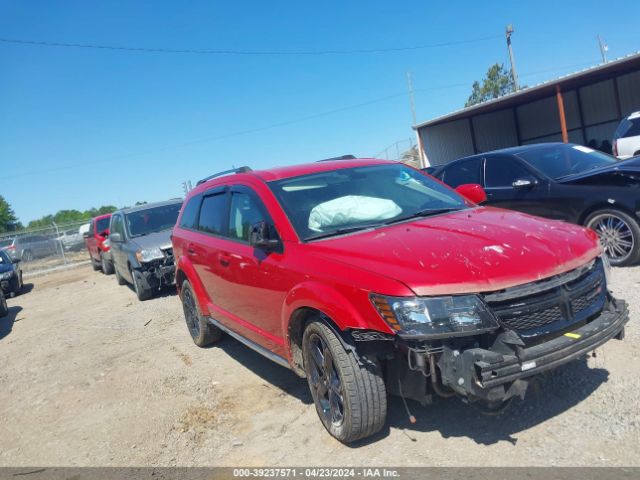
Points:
[[539, 90]]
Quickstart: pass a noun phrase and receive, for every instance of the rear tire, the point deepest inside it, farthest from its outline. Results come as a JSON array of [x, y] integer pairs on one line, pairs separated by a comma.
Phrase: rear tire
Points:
[[619, 235], [348, 390], [202, 332]]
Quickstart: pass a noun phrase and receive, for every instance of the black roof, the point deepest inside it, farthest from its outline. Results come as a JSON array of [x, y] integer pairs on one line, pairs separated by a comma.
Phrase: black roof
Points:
[[509, 151]]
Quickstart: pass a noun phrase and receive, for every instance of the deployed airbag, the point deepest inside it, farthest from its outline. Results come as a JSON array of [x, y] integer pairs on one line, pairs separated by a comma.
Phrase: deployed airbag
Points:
[[351, 209]]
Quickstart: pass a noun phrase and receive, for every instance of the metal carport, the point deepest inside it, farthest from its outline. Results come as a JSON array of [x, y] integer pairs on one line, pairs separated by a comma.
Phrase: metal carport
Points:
[[584, 107]]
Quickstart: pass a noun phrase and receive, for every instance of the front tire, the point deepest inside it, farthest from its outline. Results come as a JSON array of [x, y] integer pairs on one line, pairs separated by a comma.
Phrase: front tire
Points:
[[348, 390], [143, 292], [4, 309], [119, 279], [202, 332], [619, 235], [105, 265]]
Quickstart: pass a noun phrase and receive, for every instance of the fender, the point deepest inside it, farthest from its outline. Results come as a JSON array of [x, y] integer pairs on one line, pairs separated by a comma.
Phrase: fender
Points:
[[187, 269], [329, 301]]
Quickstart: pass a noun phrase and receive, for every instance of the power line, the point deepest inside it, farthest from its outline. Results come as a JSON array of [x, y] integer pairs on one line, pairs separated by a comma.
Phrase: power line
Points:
[[208, 139], [16, 41], [254, 130]]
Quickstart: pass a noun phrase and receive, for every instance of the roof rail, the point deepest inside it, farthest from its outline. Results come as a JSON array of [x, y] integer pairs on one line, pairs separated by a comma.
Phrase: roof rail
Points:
[[343, 157], [226, 172]]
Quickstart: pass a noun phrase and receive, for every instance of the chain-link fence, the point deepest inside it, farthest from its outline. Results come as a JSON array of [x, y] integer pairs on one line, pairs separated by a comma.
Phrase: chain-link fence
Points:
[[44, 248], [402, 151]]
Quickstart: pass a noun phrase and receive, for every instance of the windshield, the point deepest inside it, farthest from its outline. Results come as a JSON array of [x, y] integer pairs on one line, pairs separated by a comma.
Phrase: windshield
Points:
[[102, 224], [557, 161], [156, 219], [341, 201], [6, 242]]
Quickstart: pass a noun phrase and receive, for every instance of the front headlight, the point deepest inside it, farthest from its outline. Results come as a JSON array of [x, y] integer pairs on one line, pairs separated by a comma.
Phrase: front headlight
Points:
[[436, 317], [149, 254], [6, 275]]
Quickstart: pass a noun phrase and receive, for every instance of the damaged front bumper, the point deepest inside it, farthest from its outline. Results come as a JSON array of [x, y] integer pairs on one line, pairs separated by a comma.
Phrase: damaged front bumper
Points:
[[155, 276], [497, 374]]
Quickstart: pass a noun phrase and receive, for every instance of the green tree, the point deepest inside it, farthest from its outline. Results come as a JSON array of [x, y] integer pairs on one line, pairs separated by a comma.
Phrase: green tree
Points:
[[8, 219], [497, 82], [63, 217]]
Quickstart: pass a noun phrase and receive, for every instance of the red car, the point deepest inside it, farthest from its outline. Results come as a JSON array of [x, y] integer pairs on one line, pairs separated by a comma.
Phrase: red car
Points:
[[96, 240], [369, 277]]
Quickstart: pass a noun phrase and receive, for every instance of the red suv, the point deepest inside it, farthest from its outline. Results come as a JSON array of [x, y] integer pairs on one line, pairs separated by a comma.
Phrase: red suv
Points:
[[96, 240], [369, 277]]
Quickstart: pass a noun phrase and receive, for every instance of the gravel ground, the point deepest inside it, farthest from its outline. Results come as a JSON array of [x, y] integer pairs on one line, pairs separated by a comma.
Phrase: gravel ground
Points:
[[91, 376]]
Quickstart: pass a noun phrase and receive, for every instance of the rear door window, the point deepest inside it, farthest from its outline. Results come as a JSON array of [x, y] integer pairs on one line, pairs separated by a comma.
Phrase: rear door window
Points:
[[213, 214], [503, 171], [460, 173], [189, 218]]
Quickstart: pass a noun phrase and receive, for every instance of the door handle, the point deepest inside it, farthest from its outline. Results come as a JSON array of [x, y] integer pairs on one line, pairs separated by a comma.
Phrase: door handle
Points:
[[224, 260], [191, 250]]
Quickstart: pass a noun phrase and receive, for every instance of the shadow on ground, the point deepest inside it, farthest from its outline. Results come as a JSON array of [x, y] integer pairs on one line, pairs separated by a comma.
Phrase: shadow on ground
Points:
[[6, 323], [26, 288], [166, 291], [548, 395], [278, 376]]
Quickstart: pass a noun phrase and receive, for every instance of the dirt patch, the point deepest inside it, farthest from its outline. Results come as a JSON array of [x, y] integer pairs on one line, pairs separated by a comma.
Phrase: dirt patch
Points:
[[91, 376]]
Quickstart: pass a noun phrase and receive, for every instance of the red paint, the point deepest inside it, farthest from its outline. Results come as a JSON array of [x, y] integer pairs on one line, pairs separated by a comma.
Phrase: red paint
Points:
[[475, 250], [472, 192], [95, 242]]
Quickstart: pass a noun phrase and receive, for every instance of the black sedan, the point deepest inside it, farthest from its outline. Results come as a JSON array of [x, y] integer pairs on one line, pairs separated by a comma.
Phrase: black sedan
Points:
[[564, 182], [10, 274]]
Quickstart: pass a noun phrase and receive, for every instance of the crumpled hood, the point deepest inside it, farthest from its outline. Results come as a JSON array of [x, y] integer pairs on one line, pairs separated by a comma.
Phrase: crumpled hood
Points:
[[160, 239], [630, 168], [474, 250]]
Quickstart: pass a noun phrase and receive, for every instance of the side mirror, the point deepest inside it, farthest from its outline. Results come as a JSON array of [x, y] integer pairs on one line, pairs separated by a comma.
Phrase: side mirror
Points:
[[260, 237], [472, 192], [115, 237], [85, 234], [526, 182]]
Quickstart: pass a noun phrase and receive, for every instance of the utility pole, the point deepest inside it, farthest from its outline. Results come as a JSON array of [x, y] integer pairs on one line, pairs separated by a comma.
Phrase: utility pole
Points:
[[413, 116], [514, 75], [604, 48]]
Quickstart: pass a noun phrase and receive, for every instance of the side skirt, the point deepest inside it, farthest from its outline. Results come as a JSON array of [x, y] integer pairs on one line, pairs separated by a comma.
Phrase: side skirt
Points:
[[252, 345]]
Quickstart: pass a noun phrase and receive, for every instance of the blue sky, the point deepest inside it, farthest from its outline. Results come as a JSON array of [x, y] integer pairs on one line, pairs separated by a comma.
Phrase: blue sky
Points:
[[85, 127]]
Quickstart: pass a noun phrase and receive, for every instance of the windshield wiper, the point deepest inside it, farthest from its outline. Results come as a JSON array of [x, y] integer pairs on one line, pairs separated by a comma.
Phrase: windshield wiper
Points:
[[340, 231], [427, 212]]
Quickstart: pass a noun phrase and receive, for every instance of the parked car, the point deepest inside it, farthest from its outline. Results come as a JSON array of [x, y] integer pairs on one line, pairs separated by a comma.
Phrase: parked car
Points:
[[563, 182], [29, 247], [626, 139], [369, 276], [71, 240], [10, 274], [97, 243], [141, 246]]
